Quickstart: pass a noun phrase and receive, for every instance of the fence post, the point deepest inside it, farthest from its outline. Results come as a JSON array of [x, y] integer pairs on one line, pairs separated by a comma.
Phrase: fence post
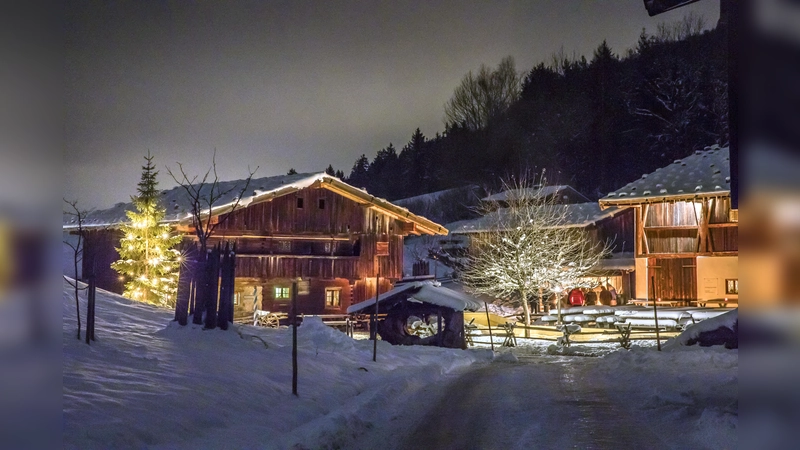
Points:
[[232, 275], [489, 324], [184, 287], [199, 295], [293, 318], [90, 308], [212, 286], [225, 289], [655, 311]]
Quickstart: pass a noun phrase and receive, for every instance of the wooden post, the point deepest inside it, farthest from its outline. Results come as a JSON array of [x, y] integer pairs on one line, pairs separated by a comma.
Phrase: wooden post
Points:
[[558, 305], [439, 326], [375, 320], [199, 277], [655, 311], [184, 288], [224, 290], [293, 317], [489, 324], [90, 308], [232, 275], [212, 286]]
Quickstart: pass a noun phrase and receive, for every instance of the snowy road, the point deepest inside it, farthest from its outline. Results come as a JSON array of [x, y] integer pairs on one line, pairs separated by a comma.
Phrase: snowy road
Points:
[[559, 407]]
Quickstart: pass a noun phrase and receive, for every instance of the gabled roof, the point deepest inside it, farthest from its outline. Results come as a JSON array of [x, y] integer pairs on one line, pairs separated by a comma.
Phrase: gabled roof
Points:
[[264, 189], [534, 193], [578, 215], [421, 292], [706, 173]]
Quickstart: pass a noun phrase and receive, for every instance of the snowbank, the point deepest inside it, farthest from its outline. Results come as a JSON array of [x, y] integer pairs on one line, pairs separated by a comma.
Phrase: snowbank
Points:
[[690, 394], [148, 382], [709, 331]]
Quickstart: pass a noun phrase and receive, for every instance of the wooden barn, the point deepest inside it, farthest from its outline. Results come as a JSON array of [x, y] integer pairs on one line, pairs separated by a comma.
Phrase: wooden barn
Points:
[[686, 232], [611, 225], [313, 227]]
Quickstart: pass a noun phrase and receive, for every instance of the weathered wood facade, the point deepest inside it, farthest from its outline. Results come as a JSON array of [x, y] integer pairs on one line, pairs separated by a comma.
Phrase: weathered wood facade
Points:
[[338, 239], [686, 244]]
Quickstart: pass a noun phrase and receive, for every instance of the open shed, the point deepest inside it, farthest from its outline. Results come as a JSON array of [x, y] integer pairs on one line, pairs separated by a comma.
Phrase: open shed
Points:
[[421, 313]]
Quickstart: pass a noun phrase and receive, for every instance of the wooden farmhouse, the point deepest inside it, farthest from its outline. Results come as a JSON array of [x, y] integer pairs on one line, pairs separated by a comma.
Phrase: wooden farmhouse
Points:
[[313, 227], [686, 240]]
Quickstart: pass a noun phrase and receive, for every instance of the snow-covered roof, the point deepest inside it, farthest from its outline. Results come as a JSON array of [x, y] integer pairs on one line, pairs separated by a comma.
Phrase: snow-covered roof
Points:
[[422, 292], [702, 174], [578, 215], [178, 207], [624, 262], [535, 192], [430, 197]]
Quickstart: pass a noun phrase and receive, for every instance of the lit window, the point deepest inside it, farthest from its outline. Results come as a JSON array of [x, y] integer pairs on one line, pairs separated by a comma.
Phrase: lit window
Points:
[[732, 286], [281, 293], [333, 297]]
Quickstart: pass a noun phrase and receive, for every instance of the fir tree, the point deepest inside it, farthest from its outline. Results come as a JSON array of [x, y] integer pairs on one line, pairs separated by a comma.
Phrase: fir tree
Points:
[[291, 171], [148, 263], [330, 170]]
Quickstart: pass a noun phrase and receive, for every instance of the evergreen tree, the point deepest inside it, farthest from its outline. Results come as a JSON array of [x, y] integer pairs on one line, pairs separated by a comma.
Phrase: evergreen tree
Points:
[[358, 175], [330, 170], [148, 263], [339, 174], [291, 171]]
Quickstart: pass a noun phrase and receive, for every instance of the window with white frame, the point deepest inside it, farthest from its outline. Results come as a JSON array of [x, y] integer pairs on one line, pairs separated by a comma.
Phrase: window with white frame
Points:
[[333, 297]]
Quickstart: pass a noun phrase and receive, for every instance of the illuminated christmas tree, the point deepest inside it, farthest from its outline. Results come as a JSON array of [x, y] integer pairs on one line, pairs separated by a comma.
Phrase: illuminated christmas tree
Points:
[[148, 262]]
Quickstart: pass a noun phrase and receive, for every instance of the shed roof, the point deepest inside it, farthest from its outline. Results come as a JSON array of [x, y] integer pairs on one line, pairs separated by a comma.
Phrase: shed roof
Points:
[[423, 292], [578, 215], [706, 173], [178, 207]]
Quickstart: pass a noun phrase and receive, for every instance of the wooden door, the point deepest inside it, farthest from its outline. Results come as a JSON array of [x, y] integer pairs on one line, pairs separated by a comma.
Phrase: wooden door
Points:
[[675, 279]]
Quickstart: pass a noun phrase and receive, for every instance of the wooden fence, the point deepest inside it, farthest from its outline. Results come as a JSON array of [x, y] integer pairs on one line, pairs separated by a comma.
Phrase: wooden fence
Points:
[[205, 286]]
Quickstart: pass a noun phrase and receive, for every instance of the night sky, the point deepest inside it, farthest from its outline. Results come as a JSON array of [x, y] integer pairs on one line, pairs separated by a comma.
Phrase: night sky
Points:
[[302, 84]]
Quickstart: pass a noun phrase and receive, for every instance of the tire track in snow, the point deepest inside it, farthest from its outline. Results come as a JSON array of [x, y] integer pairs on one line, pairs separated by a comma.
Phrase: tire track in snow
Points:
[[544, 402]]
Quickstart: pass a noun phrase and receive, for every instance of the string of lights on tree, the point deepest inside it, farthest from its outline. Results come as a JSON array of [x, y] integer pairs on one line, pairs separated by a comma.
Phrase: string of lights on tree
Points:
[[148, 260]]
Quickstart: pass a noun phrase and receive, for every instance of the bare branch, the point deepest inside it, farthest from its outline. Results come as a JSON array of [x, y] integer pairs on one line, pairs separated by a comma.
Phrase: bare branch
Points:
[[204, 196]]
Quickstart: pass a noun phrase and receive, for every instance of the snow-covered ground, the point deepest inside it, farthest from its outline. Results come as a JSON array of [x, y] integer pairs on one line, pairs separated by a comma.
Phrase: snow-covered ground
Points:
[[147, 382]]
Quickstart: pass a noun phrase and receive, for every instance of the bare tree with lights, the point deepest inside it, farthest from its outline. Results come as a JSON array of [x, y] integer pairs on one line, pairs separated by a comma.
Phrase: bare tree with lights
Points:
[[528, 247], [148, 260]]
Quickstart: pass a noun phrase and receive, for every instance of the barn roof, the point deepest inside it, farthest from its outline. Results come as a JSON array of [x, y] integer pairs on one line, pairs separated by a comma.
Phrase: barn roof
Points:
[[706, 173], [178, 208], [578, 215], [422, 292], [535, 192]]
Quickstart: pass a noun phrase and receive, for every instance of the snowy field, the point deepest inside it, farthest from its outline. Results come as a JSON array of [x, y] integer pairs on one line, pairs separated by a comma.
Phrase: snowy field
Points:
[[149, 383]]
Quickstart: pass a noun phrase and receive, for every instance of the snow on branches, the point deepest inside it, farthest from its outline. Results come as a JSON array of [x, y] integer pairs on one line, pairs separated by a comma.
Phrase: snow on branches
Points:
[[530, 247]]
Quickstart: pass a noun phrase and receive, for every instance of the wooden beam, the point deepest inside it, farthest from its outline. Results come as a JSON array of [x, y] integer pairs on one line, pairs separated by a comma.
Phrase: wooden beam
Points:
[[639, 229], [723, 225], [290, 256], [282, 237], [691, 255], [676, 227], [645, 211]]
